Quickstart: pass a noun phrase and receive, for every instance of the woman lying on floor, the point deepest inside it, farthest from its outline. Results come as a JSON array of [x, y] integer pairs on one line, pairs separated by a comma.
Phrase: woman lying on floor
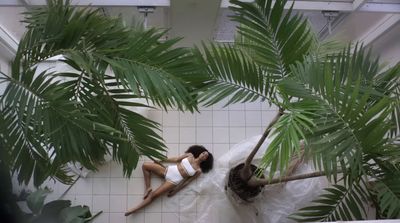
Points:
[[189, 166]]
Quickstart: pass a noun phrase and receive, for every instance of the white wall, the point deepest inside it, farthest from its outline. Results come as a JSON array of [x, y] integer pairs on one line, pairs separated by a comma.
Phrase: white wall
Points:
[[387, 46], [10, 18], [4, 68]]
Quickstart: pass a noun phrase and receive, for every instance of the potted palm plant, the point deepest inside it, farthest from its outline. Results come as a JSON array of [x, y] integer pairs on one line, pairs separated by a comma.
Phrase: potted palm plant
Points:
[[50, 118], [339, 103]]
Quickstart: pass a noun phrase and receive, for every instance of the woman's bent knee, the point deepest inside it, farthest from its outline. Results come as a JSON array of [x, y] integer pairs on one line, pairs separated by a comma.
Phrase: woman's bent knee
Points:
[[145, 165]]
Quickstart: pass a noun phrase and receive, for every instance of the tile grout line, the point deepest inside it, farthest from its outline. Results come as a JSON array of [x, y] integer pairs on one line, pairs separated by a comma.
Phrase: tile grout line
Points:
[[109, 191]]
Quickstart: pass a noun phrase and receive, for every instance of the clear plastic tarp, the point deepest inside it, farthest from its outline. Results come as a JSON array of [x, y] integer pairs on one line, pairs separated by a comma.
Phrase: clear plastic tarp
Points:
[[274, 204]]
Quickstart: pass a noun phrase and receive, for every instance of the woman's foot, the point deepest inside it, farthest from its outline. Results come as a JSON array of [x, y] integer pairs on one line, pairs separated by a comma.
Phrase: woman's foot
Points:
[[127, 213], [147, 193]]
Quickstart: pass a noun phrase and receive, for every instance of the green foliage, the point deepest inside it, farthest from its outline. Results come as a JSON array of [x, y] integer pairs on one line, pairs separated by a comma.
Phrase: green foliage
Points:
[[35, 200], [338, 101], [336, 203], [50, 118], [231, 73], [54, 211]]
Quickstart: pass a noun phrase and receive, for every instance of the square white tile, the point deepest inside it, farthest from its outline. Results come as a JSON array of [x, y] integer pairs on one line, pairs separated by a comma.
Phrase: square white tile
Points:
[[118, 217], [237, 134], [118, 186], [152, 218], [116, 170], [171, 118], [187, 135], [172, 149], [135, 218], [253, 118], [183, 147], [171, 134], [136, 186], [266, 117], [101, 203], [204, 118], [220, 135], [237, 118], [101, 186], [220, 118], [204, 135], [118, 203], [187, 119], [170, 217], [84, 186], [253, 131]]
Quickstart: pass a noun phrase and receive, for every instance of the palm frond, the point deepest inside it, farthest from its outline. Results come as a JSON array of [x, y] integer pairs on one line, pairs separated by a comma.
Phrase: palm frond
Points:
[[79, 116], [388, 195], [278, 38], [286, 136], [337, 203], [232, 74], [388, 83], [352, 111]]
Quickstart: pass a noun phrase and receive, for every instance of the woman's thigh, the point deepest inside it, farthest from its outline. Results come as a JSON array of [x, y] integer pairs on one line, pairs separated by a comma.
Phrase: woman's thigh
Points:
[[165, 187], [154, 168]]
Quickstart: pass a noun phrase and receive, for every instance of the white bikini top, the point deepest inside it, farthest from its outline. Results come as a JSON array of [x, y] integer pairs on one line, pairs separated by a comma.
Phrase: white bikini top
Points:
[[188, 167]]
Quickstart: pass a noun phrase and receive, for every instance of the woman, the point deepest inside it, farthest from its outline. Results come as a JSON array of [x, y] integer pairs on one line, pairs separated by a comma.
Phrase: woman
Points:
[[188, 167]]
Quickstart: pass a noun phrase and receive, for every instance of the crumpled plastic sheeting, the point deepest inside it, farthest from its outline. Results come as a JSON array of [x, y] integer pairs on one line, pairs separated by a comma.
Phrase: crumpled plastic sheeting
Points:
[[274, 204]]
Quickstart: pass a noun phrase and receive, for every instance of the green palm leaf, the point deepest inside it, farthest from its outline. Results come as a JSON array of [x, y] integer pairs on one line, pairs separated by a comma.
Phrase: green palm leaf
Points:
[[349, 118], [278, 38], [388, 195], [232, 74], [337, 203], [287, 133], [79, 116]]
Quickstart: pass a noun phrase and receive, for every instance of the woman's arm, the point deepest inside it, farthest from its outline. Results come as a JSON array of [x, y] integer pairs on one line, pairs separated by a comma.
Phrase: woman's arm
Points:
[[183, 184], [176, 159]]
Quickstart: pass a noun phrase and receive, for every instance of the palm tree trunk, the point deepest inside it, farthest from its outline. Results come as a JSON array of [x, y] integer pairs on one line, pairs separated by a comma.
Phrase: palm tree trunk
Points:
[[255, 181], [245, 172]]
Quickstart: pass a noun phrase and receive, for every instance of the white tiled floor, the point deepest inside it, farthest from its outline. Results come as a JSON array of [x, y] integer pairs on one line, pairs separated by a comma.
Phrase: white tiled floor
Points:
[[216, 127]]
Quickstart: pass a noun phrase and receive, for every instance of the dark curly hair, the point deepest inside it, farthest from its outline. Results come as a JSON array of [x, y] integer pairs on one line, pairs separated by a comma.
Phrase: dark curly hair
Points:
[[207, 164]]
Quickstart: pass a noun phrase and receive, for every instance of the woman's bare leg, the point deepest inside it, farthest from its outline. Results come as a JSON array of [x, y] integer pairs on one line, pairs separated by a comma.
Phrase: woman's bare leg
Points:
[[148, 168], [165, 187]]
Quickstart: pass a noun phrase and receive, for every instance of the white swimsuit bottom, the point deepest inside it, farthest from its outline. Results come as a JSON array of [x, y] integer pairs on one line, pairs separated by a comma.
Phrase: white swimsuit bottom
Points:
[[173, 175]]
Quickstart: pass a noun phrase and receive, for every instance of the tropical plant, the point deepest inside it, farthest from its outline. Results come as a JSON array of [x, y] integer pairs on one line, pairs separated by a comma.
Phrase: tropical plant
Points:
[[340, 103], [52, 117], [54, 211]]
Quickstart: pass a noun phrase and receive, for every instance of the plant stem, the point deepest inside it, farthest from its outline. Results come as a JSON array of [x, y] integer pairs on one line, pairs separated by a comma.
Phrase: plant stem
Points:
[[69, 188], [245, 172], [255, 181], [93, 217]]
